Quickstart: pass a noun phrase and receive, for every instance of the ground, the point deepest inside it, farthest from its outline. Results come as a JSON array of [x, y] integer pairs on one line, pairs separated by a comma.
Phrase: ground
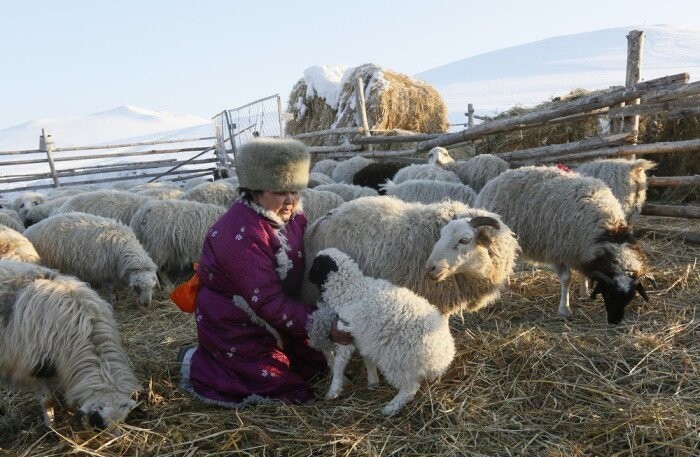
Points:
[[524, 381]]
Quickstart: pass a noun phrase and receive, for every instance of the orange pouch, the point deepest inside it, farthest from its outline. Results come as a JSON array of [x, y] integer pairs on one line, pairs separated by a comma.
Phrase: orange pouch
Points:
[[184, 295]]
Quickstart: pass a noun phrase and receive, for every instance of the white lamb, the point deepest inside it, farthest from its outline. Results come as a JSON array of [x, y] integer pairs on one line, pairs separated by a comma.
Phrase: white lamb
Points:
[[55, 329], [394, 329], [14, 246], [95, 249]]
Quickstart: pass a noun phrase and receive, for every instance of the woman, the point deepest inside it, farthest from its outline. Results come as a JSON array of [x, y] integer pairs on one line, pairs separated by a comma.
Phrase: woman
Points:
[[252, 334]]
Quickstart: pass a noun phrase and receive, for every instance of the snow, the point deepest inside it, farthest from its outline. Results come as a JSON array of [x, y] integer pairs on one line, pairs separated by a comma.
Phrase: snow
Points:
[[326, 81]]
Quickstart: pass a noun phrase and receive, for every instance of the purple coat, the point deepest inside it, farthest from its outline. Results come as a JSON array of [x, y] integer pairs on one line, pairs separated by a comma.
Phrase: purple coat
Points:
[[252, 335]]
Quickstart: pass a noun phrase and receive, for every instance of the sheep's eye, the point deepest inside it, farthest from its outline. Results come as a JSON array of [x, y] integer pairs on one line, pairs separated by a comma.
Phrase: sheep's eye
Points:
[[34, 203], [465, 241], [22, 205]]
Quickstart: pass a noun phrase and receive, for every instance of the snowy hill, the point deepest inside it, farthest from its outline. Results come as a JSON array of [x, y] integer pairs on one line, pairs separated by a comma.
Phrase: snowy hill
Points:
[[534, 72]]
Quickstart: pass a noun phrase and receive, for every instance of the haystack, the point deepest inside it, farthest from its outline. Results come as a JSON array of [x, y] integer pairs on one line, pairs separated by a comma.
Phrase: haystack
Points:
[[392, 100]]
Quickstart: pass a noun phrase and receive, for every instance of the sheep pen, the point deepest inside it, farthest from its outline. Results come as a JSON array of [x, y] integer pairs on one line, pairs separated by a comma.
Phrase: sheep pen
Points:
[[523, 382]]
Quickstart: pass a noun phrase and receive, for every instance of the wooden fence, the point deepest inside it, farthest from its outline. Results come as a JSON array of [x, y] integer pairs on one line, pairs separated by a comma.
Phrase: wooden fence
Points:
[[164, 165], [622, 105]]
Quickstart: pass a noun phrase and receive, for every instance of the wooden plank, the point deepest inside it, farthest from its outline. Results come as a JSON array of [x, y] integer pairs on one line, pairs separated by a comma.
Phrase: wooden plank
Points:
[[338, 131], [687, 211], [673, 181], [565, 148], [686, 237], [575, 106], [182, 163], [372, 154], [46, 144], [128, 145], [653, 108], [332, 149], [635, 41], [103, 156], [384, 139]]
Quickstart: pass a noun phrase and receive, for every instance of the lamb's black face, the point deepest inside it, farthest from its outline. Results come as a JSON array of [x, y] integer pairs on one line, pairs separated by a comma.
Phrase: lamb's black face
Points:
[[616, 299], [323, 266], [96, 420]]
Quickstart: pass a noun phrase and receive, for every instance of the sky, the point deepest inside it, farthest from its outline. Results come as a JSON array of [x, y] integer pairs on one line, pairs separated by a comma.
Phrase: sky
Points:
[[73, 58]]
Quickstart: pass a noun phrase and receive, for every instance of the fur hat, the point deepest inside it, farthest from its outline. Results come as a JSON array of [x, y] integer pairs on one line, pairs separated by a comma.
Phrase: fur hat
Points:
[[274, 164]]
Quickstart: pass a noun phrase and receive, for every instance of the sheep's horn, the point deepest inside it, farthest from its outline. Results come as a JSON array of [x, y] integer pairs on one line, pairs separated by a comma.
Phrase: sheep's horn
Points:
[[642, 292], [601, 277], [483, 220]]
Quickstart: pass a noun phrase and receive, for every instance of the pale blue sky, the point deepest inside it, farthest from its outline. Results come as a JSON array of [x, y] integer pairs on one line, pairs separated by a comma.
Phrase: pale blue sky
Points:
[[72, 58]]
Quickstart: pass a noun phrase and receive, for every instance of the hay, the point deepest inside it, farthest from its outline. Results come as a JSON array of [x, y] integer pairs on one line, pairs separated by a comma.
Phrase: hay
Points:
[[393, 101], [523, 382]]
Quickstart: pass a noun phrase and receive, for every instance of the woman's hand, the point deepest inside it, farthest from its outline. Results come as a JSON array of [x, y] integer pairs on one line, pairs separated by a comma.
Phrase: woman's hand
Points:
[[340, 336]]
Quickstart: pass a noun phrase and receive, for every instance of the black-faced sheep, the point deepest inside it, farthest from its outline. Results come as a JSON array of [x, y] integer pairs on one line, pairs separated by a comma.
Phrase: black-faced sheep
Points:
[[14, 246], [95, 249], [572, 222], [116, 204], [394, 329], [55, 329], [430, 191], [391, 239]]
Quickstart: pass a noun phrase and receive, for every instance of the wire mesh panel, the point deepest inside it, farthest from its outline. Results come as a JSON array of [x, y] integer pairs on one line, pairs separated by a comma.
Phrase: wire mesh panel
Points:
[[237, 126]]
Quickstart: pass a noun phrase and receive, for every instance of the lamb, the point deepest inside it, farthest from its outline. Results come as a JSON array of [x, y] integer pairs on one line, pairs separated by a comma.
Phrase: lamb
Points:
[[572, 222], [172, 232], [116, 204], [346, 169], [95, 249], [425, 172], [55, 329], [221, 192], [626, 178], [391, 239], [317, 203], [14, 246], [478, 170], [394, 329], [316, 179], [429, 191], [348, 191], [325, 166], [376, 174], [10, 218]]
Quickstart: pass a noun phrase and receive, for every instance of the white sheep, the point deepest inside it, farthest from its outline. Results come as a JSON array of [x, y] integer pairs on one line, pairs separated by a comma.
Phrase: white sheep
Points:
[[573, 222], [221, 192], [194, 182], [55, 329], [316, 179], [325, 166], [392, 240], [423, 171], [153, 185], [439, 156], [25, 201], [10, 218], [478, 170], [14, 246], [172, 232], [116, 204], [41, 211], [162, 193], [348, 191], [95, 249], [430, 191], [394, 329], [345, 170], [316, 203]]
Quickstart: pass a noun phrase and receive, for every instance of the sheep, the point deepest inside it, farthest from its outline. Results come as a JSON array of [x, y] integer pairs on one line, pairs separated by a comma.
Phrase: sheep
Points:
[[626, 178], [41, 211], [325, 166], [163, 193], [348, 191], [346, 169], [194, 182], [439, 156], [14, 246], [95, 249], [376, 174], [429, 191], [172, 232], [26, 200], [116, 204], [478, 170], [425, 172], [221, 192], [316, 179], [153, 185], [395, 330], [11, 219], [572, 222], [56, 330], [391, 239], [316, 203]]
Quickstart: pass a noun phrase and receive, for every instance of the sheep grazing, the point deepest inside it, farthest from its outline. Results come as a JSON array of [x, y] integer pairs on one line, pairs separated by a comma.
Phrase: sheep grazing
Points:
[[116, 204], [626, 178], [317, 179], [348, 191], [376, 174], [10, 218], [325, 166], [478, 170], [391, 239], [56, 329], [95, 249], [14, 246], [346, 169], [429, 191], [433, 172], [572, 222], [172, 232], [317, 203], [221, 192], [439, 156], [394, 329]]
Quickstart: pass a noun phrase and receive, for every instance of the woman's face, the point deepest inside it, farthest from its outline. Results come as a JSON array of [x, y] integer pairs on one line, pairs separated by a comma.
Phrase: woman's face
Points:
[[281, 203]]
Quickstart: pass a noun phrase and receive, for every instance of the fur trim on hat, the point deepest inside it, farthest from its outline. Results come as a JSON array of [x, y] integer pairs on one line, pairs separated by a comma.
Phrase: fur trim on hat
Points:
[[274, 164]]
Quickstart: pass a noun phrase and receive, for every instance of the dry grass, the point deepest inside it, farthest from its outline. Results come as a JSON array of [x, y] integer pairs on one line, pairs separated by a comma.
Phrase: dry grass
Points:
[[524, 382]]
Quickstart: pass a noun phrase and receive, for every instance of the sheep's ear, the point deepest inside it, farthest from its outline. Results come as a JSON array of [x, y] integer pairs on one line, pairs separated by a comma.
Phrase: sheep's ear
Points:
[[322, 267], [480, 224], [639, 167]]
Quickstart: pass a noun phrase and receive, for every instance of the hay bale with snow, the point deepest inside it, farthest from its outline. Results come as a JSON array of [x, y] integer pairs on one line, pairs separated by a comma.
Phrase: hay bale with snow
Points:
[[325, 98]]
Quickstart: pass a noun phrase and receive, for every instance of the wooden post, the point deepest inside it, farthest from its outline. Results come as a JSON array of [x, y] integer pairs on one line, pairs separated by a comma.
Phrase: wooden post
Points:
[[635, 40], [360, 101], [470, 115], [47, 145], [281, 115]]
